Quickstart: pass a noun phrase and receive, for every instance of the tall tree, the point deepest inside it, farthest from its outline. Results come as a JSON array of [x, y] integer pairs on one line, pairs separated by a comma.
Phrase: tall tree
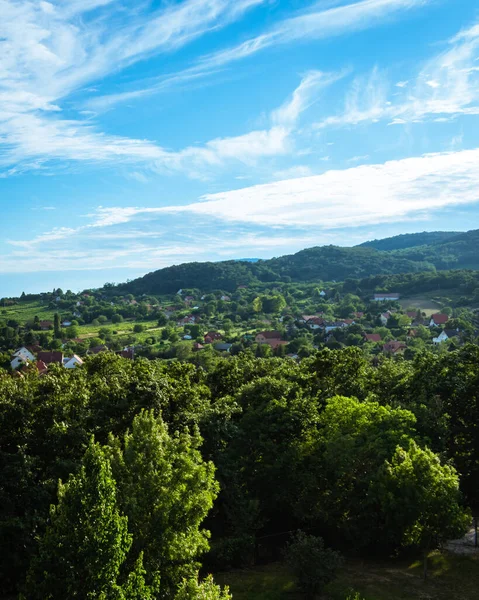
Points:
[[87, 541], [57, 330], [166, 490], [420, 499]]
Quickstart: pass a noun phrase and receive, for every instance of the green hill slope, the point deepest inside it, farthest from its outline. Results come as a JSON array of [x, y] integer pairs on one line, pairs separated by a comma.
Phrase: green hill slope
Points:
[[323, 263], [409, 240]]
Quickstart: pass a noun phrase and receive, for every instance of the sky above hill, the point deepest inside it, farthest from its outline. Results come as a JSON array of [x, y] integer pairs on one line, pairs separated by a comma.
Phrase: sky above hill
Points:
[[135, 134]]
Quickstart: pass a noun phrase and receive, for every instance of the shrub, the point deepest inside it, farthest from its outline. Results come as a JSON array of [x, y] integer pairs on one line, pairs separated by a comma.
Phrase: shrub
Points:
[[313, 565]]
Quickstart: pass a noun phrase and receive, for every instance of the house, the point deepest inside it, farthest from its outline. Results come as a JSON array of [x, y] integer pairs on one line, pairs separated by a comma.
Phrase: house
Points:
[[212, 336], [412, 333], [305, 318], [25, 354], [71, 363], [22, 356], [412, 314], [442, 337], [315, 323], [394, 347], [187, 337], [225, 298], [359, 315], [223, 347], [264, 336], [189, 298], [372, 337], [45, 325], [445, 335], [273, 344], [386, 297], [179, 292], [384, 318], [197, 346], [322, 293], [128, 352], [451, 333], [334, 325], [17, 361], [97, 349], [41, 367], [77, 314], [34, 349], [188, 320], [50, 357], [66, 323], [438, 319]]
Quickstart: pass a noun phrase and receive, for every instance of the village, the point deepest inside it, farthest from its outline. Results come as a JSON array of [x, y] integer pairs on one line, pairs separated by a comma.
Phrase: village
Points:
[[188, 324]]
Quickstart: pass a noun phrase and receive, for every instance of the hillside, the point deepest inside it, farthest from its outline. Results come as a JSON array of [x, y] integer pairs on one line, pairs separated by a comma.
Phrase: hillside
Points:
[[409, 240], [321, 263]]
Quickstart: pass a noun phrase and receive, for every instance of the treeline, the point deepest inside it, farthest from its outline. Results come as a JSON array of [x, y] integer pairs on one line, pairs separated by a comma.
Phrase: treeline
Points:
[[324, 263], [466, 282], [373, 455]]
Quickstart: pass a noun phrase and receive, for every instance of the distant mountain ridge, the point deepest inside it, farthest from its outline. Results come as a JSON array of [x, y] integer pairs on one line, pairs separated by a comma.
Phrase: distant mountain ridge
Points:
[[409, 240], [407, 254]]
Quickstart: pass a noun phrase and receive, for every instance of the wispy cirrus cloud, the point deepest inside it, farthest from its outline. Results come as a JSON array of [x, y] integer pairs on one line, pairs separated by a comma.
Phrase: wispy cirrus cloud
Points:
[[315, 22], [51, 49], [446, 86], [34, 140]]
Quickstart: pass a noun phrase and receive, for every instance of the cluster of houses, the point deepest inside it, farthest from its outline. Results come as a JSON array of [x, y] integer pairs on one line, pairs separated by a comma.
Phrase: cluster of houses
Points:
[[315, 322], [215, 338], [28, 357], [25, 358]]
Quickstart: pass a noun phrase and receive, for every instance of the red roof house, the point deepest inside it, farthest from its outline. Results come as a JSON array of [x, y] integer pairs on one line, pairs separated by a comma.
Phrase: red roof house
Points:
[[265, 336], [49, 358], [372, 337], [394, 347], [438, 319]]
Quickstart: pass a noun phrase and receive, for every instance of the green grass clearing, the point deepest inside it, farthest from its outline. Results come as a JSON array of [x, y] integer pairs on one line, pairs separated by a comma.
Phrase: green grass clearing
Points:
[[450, 577]]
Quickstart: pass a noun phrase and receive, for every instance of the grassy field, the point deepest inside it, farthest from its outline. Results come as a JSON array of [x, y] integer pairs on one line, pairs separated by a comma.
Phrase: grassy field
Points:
[[450, 577], [426, 305], [26, 311]]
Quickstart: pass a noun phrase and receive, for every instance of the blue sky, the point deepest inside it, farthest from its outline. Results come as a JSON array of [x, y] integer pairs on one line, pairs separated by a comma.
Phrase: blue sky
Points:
[[135, 134]]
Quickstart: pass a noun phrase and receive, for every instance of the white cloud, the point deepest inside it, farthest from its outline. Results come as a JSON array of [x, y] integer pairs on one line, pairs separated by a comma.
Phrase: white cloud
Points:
[[35, 139], [361, 195], [51, 49], [360, 158], [445, 87], [316, 22]]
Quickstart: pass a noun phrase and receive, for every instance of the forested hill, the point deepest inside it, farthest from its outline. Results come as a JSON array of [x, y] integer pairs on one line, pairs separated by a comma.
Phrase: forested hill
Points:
[[409, 240], [322, 263]]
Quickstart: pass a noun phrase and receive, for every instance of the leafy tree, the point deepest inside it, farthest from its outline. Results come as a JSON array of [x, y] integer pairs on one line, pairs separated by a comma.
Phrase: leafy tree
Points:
[[161, 319], [72, 332], [313, 565], [257, 305], [166, 490], [191, 589], [86, 544], [421, 500], [138, 328], [355, 438], [116, 318]]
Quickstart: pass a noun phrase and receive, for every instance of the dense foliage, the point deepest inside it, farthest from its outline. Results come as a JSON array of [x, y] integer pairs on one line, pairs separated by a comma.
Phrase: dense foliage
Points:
[[372, 455]]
